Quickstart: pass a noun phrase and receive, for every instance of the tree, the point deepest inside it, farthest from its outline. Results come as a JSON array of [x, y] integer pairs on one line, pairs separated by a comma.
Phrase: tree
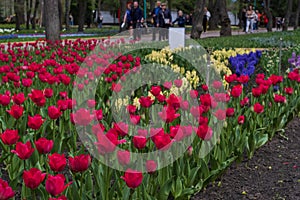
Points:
[[29, 6], [19, 9], [297, 16], [36, 5], [269, 15], [82, 4], [52, 20], [215, 17], [197, 19], [123, 5], [67, 13], [225, 21], [287, 15]]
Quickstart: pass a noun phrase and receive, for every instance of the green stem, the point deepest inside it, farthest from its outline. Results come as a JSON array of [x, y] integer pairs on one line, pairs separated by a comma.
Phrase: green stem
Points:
[[34, 194], [81, 186]]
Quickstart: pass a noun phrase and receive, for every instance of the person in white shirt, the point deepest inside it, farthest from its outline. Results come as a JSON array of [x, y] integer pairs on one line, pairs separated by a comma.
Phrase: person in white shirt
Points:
[[206, 18], [250, 15]]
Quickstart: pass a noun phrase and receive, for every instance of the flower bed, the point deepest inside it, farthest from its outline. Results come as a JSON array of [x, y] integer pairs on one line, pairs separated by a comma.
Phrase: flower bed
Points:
[[60, 101]]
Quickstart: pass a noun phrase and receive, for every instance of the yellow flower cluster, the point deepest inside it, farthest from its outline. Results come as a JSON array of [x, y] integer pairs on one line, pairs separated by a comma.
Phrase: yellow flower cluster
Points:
[[121, 102], [165, 57]]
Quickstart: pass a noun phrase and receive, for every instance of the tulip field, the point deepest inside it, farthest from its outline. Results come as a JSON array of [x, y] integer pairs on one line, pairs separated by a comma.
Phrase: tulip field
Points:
[[85, 119]]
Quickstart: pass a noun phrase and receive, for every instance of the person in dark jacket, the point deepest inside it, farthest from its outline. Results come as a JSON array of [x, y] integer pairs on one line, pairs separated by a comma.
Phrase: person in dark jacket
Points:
[[180, 19], [154, 14], [137, 18], [164, 21]]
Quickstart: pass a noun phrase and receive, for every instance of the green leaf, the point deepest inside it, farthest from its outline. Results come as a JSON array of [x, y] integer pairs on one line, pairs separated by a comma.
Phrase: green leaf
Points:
[[263, 139], [193, 175], [178, 188], [165, 190]]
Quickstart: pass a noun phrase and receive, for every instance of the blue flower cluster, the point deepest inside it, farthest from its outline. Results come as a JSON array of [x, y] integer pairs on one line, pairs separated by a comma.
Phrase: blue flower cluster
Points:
[[244, 64], [10, 36]]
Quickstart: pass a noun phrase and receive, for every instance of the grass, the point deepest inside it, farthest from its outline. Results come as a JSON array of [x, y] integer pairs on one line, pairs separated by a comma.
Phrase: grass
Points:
[[258, 40]]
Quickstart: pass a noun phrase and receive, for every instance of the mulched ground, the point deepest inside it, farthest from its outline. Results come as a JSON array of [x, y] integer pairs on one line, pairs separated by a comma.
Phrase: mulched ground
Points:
[[272, 173]]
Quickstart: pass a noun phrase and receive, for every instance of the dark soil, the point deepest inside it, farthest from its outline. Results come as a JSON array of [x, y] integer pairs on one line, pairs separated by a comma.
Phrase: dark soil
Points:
[[272, 173]]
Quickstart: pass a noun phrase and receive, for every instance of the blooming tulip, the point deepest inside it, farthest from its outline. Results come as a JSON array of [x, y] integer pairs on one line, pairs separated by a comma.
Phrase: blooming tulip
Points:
[[23, 151], [33, 178], [132, 178], [55, 185], [57, 162], [79, 163]]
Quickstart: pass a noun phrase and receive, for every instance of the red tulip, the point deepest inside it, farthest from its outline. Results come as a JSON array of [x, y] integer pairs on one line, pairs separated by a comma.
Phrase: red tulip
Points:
[[168, 85], [236, 91], [131, 109], [155, 90], [258, 108], [231, 78], [256, 92], [35, 122], [244, 102], [37, 96], [55, 185], [161, 98], [82, 117], [123, 157], [59, 198], [132, 178], [54, 112], [139, 141], [16, 111], [91, 103], [4, 99], [288, 90], [135, 119], [145, 102], [241, 119], [204, 87], [18, 98], [57, 162], [151, 166], [173, 101], [99, 114], [33, 178], [178, 83], [26, 82], [43, 145], [230, 112], [79, 163], [205, 100], [168, 114], [162, 141], [279, 98], [121, 128], [204, 132], [62, 104], [193, 94], [6, 192], [220, 114], [217, 84], [275, 79], [106, 143], [48, 92], [9, 137], [243, 79], [23, 151]]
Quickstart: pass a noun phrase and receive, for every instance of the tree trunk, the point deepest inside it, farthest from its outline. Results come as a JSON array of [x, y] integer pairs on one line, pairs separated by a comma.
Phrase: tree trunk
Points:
[[123, 7], [225, 21], [81, 15], [152, 5], [197, 19], [28, 20], [297, 16], [269, 15], [52, 20], [36, 6], [19, 9], [99, 6], [169, 4], [67, 13], [287, 16], [60, 14], [215, 16]]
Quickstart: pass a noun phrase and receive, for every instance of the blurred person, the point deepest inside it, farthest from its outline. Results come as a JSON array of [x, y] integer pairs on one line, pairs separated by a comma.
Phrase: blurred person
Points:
[[100, 20], [128, 21], [71, 19], [180, 19], [206, 18], [164, 20], [250, 14], [137, 18], [154, 14]]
